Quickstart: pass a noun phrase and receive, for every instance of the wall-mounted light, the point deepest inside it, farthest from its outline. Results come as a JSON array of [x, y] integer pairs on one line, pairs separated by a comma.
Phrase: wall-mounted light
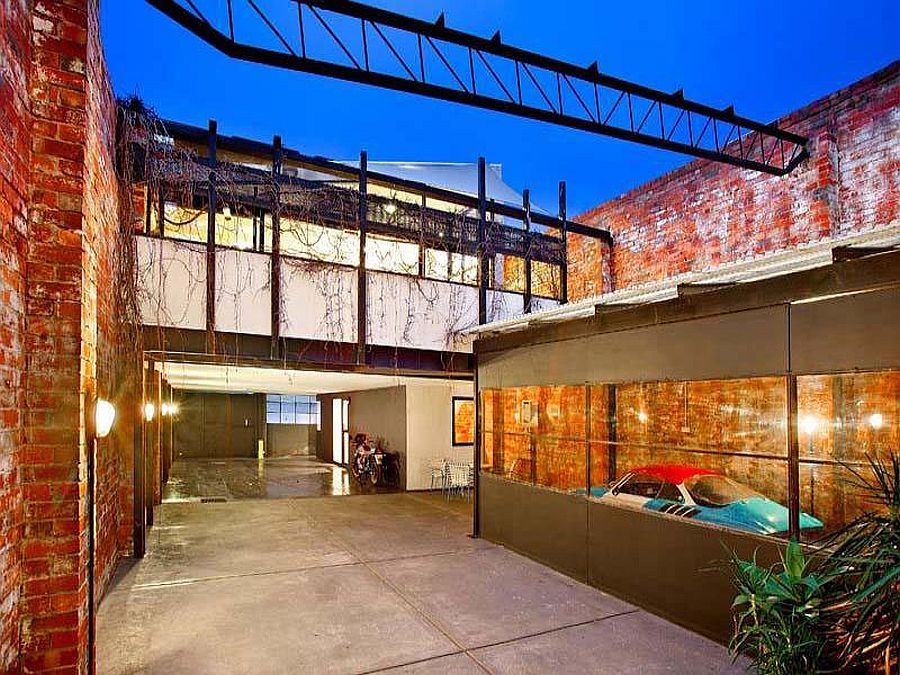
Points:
[[104, 416], [809, 424], [876, 420], [149, 411], [643, 417]]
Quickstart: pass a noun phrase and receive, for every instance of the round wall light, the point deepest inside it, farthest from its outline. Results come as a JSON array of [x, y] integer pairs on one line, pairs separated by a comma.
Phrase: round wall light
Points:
[[104, 416], [149, 411], [876, 420]]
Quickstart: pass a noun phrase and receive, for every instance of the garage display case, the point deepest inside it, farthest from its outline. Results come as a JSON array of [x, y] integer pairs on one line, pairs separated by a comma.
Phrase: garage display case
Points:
[[633, 448], [712, 451]]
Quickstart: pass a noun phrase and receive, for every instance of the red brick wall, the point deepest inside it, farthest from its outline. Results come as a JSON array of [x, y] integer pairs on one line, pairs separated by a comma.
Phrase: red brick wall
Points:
[[705, 214], [58, 243], [15, 52], [103, 371]]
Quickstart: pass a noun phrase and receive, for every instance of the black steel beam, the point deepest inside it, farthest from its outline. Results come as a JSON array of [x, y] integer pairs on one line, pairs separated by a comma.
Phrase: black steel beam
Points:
[[597, 102]]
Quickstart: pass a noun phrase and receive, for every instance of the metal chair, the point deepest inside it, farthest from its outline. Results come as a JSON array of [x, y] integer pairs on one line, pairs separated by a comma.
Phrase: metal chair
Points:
[[438, 470]]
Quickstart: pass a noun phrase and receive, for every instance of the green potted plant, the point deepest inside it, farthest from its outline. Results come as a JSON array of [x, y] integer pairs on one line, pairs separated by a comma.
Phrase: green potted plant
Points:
[[778, 613]]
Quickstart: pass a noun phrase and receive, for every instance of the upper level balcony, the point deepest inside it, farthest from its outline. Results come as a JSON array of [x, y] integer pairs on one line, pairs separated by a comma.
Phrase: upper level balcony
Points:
[[288, 247]]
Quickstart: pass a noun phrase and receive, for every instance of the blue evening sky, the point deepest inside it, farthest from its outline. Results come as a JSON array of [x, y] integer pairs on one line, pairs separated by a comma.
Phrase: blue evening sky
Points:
[[767, 58]]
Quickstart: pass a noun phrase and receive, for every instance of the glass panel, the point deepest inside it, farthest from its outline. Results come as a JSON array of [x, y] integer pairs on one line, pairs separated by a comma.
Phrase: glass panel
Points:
[[273, 409], [234, 229], [463, 268], [545, 280], [560, 464], [314, 242], [184, 223], [513, 274], [843, 421], [437, 264], [390, 255], [713, 451]]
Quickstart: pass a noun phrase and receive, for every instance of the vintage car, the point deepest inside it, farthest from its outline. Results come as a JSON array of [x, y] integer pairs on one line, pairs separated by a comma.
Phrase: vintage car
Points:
[[701, 495]]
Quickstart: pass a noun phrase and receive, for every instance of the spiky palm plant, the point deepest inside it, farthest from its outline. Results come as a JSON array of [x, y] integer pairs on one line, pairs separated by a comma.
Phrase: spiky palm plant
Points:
[[864, 617]]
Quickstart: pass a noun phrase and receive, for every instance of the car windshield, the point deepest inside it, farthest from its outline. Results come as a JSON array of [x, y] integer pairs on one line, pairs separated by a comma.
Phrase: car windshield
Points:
[[713, 490]]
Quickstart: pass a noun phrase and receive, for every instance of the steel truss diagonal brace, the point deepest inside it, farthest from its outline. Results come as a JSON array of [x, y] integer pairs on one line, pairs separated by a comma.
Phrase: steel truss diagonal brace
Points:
[[355, 42]]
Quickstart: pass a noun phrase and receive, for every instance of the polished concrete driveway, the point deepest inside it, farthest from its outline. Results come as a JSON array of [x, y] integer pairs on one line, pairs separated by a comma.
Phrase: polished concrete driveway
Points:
[[250, 478], [381, 583]]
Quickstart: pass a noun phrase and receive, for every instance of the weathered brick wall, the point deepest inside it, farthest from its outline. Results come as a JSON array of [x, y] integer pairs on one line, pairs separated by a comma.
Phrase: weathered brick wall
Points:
[[705, 214], [15, 53], [59, 219], [55, 584], [103, 372]]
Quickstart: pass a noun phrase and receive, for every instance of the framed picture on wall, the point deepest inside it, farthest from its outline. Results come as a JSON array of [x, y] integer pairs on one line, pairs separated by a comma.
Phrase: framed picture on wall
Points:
[[463, 421]]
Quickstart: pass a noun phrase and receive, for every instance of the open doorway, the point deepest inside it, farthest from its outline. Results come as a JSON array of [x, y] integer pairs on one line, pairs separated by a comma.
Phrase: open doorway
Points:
[[340, 435]]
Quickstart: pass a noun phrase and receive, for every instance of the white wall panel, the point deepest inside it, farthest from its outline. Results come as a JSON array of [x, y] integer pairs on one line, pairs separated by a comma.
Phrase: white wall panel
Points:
[[502, 305], [171, 279], [243, 301], [540, 304], [429, 424], [318, 301], [420, 313]]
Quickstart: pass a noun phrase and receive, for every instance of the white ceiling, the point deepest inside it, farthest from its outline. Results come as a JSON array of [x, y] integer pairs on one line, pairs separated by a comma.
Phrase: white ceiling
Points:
[[245, 379]]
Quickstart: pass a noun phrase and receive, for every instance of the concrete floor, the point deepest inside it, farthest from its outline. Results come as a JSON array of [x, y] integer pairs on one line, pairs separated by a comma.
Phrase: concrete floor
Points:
[[249, 478], [362, 584]]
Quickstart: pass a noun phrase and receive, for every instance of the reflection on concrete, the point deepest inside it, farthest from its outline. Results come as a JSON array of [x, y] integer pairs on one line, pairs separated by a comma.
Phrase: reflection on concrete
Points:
[[251, 478]]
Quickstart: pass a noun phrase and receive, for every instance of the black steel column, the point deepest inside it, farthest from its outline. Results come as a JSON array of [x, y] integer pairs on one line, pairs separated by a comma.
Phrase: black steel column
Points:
[[139, 541], [422, 237], [162, 209], [212, 207], [612, 432], [564, 236], [793, 448], [479, 443], [526, 207], [484, 268], [277, 158], [587, 437], [362, 295]]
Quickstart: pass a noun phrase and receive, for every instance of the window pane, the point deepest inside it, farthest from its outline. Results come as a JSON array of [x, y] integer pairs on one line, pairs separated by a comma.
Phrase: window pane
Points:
[[389, 255], [437, 264], [725, 439], [314, 242], [843, 421], [184, 223]]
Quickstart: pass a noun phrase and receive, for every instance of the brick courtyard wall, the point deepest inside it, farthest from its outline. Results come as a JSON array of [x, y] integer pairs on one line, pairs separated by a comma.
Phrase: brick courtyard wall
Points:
[[58, 245], [706, 214], [15, 54]]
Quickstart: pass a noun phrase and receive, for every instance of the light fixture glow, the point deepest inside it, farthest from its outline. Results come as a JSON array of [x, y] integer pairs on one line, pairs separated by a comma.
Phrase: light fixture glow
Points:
[[809, 424], [876, 420], [643, 417], [104, 416], [390, 208], [149, 411]]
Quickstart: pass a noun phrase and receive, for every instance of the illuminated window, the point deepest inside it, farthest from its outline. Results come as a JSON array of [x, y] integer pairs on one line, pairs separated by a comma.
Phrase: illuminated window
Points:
[[285, 409], [390, 255]]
